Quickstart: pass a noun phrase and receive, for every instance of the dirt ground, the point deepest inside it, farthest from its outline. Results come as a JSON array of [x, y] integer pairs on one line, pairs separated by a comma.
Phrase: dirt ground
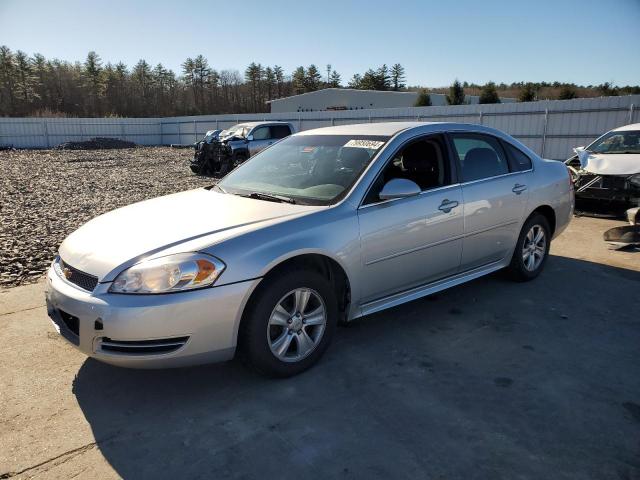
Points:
[[47, 194], [491, 379]]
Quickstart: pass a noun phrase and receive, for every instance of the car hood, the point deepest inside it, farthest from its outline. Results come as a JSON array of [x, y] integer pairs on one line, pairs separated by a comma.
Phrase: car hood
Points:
[[201, 218], [609, 164]]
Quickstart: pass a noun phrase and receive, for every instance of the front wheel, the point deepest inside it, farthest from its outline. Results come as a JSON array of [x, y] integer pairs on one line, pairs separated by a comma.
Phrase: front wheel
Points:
[[289, 324], [532, 249]]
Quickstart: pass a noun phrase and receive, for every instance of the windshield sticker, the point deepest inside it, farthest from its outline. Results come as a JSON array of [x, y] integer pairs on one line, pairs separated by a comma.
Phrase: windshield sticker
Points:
[[308, 149], [370, 144]]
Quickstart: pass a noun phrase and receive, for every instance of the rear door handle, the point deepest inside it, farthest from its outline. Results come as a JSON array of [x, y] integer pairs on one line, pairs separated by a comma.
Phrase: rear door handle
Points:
[[447, 205], [518, 189]]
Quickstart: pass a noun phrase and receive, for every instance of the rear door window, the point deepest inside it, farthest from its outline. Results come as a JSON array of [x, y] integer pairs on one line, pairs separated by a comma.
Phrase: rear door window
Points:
[[280, 131], [480, 156]]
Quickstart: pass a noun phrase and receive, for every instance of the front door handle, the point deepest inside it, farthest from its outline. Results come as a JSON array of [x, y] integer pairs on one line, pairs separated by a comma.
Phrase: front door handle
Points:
[[447, 205], [518, 189]]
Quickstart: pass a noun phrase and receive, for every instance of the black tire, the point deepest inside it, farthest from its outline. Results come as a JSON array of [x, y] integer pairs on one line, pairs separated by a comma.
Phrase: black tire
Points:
[[253, 343], [517, 269]]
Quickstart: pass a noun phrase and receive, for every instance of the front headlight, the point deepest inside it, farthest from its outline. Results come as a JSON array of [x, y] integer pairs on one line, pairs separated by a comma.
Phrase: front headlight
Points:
[[173, 273]]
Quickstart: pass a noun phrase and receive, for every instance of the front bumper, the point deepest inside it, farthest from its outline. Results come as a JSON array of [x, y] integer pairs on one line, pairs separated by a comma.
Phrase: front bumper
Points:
[[612, 190], [149, 331]]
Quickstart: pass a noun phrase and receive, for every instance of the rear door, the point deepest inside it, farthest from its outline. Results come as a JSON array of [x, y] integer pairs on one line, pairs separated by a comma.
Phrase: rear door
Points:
[[495, 196]]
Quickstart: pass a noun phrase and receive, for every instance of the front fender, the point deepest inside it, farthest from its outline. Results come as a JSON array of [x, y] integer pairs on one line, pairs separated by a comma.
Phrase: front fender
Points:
[[332, 232]]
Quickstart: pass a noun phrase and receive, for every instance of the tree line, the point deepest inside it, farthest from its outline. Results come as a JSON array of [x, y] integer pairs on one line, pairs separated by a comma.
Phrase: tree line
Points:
[[37, 86]]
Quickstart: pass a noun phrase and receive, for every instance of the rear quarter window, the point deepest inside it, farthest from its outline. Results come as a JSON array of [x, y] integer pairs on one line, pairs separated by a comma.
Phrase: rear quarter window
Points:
[[519, 160]]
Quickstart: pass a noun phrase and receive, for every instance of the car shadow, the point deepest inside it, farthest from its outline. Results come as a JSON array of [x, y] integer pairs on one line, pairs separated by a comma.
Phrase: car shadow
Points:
[[492, 368]]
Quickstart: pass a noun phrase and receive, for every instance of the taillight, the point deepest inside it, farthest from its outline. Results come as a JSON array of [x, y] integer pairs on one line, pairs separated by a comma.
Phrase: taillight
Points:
[[570, 177]]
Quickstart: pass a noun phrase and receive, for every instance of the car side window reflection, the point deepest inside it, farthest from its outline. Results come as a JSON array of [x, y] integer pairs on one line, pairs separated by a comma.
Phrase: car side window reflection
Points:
[[424, 161], [261, 133], [480, 156]]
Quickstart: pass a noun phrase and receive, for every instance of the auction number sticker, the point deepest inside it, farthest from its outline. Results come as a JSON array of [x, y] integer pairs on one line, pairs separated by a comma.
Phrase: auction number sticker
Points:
[[372, 144]]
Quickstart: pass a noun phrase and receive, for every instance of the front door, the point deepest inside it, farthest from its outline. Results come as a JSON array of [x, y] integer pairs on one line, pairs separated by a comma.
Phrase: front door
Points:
[[412, 241], [261, 139]]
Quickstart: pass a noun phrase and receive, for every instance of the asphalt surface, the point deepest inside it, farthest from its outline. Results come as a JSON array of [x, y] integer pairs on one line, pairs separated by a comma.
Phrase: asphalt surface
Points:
[[491, 379]]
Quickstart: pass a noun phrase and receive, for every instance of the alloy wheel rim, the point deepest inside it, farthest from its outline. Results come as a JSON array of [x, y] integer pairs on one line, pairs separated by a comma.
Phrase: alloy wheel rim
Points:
[[534, 248], [296, 325]]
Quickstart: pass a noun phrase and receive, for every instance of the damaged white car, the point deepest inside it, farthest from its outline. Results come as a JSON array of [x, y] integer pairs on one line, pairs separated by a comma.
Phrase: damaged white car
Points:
[[607, 172]]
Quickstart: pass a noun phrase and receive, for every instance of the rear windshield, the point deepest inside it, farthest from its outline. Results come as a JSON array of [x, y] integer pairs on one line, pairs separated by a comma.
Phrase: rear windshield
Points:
[[310, 169]]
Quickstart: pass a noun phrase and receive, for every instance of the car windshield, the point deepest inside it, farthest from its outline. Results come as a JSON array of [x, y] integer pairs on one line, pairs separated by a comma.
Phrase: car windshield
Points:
[[237, 131], [211, 135], [627, 141], [306, 169]]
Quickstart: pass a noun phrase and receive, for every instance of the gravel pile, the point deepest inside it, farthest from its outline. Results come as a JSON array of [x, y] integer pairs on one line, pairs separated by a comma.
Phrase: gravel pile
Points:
[[47, 194], [97, 143]]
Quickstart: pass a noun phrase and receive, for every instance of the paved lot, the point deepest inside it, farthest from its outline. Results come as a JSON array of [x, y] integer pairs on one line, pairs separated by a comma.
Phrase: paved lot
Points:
[[488, 380]]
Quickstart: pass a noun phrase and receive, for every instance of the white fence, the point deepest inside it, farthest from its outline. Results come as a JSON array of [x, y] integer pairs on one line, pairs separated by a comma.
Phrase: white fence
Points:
[[551, 128]]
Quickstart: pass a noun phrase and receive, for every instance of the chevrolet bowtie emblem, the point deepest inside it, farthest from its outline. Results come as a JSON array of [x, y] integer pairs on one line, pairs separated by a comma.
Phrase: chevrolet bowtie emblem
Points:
[[67, 273]]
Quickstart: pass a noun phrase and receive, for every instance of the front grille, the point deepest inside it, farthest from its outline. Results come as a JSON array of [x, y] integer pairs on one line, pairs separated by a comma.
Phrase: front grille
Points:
[[143, 347], [77, 277]]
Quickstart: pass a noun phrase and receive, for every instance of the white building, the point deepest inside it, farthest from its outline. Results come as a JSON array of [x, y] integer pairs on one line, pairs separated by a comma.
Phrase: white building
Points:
[[352, 99]]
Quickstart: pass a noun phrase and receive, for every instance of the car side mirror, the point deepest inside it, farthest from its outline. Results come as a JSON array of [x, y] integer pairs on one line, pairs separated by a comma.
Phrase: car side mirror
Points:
[[399, 188], [249, 138], [579, 149]]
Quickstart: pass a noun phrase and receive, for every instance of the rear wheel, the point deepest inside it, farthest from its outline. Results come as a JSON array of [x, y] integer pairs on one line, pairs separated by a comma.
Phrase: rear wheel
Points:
[[532, 249], [289, 324]]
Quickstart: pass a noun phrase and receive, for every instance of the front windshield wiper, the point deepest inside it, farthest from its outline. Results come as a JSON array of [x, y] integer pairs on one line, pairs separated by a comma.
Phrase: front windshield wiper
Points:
[[270, 197], [216, 187]]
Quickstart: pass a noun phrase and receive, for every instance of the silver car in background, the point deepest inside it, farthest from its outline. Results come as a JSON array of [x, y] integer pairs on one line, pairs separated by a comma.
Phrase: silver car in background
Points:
[[323, 227]]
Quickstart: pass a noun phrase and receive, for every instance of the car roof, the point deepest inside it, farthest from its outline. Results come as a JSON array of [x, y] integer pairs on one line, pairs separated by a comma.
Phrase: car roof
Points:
[[391, 128], [633, 126], [265, 122], [387, 129]]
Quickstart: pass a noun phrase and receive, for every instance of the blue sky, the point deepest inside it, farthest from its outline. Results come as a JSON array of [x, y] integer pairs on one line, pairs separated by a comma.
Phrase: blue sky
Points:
[[586, 42]]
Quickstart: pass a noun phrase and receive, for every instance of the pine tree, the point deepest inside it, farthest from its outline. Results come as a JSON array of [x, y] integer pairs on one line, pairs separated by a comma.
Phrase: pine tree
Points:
[[93, 82], [298, 80], [334, 80], [424, 99], [383, 79], [252, 76], [278, 73], [456, 94], [527, 93], [356, 81], [312, 79], [397, 77], [489, 94], [25, 80], [7, 81], [141, 79], [567, 92]]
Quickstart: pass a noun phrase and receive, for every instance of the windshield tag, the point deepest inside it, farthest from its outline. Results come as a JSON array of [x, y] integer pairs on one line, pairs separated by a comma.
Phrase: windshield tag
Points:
[[372, 144]]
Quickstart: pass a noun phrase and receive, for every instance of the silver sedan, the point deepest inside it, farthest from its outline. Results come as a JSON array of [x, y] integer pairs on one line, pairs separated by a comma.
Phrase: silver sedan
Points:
[[321, 228]]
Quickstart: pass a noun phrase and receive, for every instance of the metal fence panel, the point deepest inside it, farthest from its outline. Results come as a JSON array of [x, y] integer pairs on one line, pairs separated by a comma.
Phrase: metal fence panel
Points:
[[551, 128]]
